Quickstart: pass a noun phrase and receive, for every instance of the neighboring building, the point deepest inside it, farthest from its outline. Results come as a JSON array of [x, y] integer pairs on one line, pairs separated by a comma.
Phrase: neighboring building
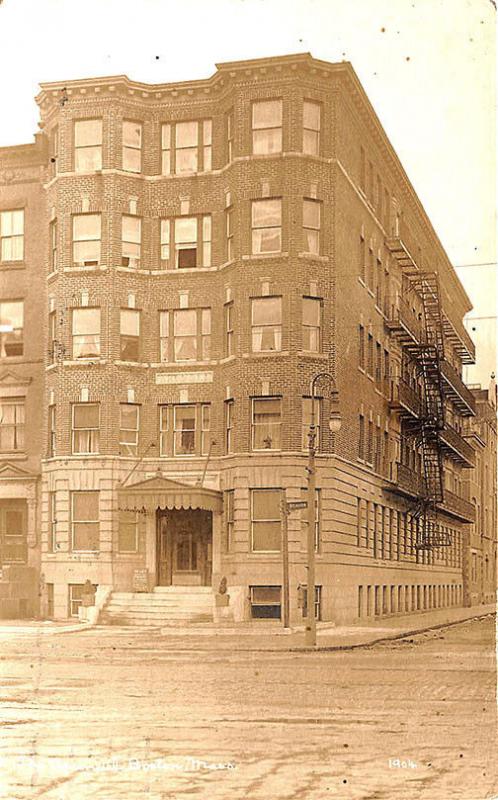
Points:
[[480, 565], [22, 372], [210, 247]]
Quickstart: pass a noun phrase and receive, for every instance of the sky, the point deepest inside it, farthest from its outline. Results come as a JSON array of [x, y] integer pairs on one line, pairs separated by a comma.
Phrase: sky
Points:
[[428, 67]]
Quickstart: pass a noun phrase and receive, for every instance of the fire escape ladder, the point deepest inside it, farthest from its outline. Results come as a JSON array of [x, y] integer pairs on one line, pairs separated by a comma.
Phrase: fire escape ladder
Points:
[[428, 356]]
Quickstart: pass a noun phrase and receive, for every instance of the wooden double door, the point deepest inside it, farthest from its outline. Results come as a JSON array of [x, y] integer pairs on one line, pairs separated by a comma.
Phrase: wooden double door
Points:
[[184, 548]]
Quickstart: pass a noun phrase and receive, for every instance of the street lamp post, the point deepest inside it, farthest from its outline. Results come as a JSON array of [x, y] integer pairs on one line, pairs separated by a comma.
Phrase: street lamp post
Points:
[[334, 425]]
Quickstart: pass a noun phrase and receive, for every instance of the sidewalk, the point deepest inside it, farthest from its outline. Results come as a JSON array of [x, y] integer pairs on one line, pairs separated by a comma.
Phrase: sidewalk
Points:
[[261, 636], [250, 636]]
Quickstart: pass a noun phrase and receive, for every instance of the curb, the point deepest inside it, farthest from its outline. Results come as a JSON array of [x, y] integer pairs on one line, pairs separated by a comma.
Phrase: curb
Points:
[[394, 637]]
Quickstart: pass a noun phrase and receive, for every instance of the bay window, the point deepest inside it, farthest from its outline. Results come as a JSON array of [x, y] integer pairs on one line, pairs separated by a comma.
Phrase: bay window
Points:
[[86, 428], [87, 145], [132, 146], [266, 324], [186, 242], [128, 429], [312, 323], [185, 334], [184, 429], [131, 239], [86, 332], [311, 128], [186, 147], [86, 239], [266, 226], [266, 423], [265, 520], [129, 329], [311, 226], [85, 533], [267, 127]]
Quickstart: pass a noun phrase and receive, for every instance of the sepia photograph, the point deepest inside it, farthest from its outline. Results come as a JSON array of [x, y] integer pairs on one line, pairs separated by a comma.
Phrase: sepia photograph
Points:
[[248, 400]]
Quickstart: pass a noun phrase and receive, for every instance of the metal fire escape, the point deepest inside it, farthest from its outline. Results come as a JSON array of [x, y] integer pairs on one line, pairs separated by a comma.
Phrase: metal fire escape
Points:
[[427, 357]]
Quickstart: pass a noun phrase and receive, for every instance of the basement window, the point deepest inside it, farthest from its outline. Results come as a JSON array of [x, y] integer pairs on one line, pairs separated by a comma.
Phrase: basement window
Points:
[[265, 602]]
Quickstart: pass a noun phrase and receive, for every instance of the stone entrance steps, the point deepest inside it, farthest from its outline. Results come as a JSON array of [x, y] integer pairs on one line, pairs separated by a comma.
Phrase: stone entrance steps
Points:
[[163, 606]]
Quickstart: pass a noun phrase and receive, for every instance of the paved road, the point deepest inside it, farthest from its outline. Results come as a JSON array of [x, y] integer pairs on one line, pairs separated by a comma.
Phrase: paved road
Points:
[[121, 714]]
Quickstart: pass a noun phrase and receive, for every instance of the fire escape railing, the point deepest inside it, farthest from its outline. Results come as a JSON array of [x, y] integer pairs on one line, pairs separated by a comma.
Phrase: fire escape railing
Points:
[[427, 355]]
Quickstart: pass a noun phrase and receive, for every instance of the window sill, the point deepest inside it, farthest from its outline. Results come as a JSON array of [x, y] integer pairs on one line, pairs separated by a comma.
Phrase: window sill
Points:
[[313, 257], [263, 256], [97, 268], [51, 276], [178, 364], [131, 363], [312, 354], [227, 359], [84, 362], [370, 292], [267, 354], [12, 265], [13, 359], [164, 272], [77, 554], [189, 457], [14, 456]]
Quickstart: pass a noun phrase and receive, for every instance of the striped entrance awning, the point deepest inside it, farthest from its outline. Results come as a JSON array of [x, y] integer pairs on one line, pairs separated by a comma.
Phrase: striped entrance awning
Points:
[[163, 493]]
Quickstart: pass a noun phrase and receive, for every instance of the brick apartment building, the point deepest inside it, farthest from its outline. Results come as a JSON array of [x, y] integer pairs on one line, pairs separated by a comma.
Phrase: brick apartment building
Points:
[[480, 565], [198, 252]]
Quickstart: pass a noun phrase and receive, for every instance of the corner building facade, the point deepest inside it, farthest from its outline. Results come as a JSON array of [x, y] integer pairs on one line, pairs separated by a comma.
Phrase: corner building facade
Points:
[[212, 246]]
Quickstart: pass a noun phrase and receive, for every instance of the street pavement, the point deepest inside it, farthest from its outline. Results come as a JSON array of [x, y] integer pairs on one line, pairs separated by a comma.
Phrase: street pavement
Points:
[[121, 713]]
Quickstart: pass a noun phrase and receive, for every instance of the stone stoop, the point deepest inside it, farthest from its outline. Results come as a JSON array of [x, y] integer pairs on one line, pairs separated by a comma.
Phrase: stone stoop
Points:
[[164, 605]]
